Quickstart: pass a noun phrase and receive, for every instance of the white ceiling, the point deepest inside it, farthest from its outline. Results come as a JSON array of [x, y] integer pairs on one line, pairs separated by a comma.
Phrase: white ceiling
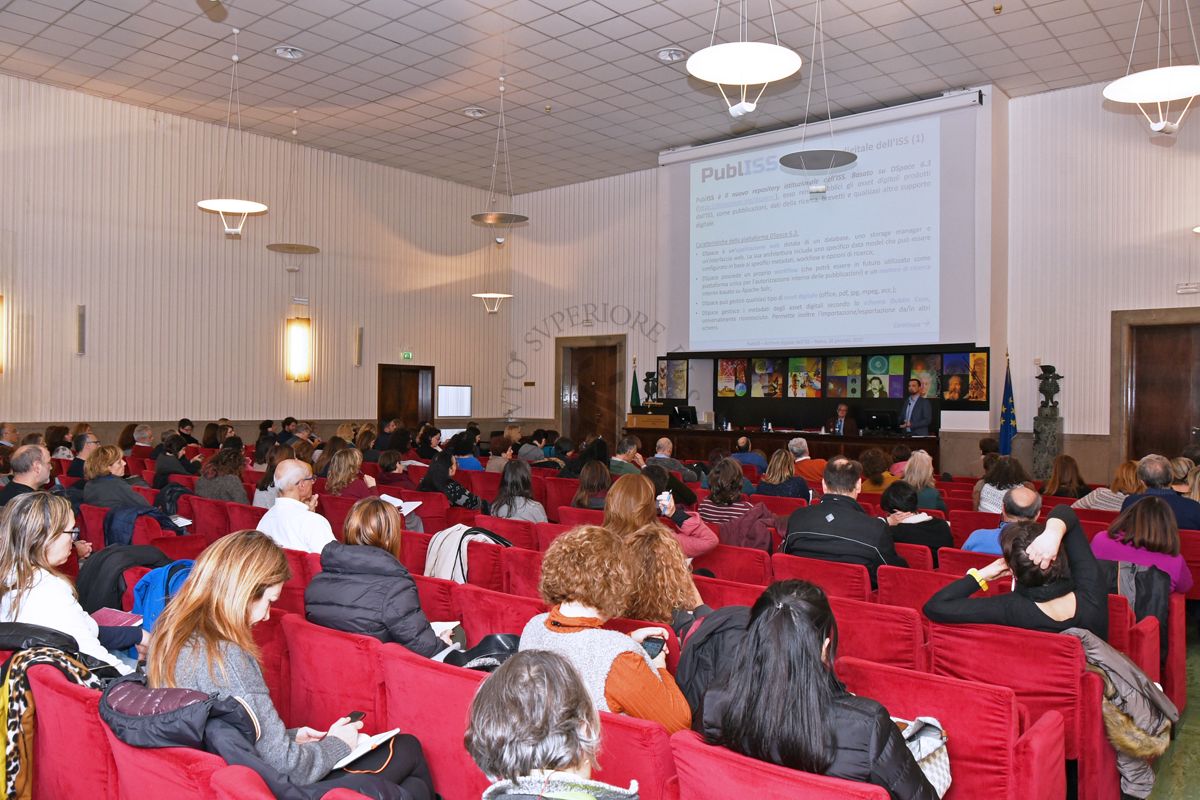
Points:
[[386, 80]]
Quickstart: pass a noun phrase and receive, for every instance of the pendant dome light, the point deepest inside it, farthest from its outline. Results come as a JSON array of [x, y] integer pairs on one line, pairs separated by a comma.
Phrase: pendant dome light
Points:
[[501, 221], [1165, 83], [291, 247], [233, 211], [743, 63]]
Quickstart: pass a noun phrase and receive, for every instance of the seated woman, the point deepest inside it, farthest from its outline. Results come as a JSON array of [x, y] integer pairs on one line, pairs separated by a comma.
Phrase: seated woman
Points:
[[1124, 483], [1181, 468], [594, 481], [632, 505], [515, 498], [265, 490], [502, 451], [1005, 473], [1146, 533], [106, 485], [463, 447], [304, 450], [900, 455], [262, 451], [1065, 480], [585, 580], [203, 641], [662, 589], [909, 525], [440, 478], [362, 586], [364, 442], [208, 440], [1056, 582], [221, 476], [346, 478], [36, 542], [331, 449], [534, 730], [665, 481], [789, 651], [170, 461], [402, 442], [876, 476], [743, 523], [392, 475], [716, 456], [429, 443], [125, 439], [780, 479], [919, 475]]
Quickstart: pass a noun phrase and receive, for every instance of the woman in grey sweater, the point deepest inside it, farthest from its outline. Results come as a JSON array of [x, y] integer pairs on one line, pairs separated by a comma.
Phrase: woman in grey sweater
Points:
[[221, 477], [515, 498], [203, 641]]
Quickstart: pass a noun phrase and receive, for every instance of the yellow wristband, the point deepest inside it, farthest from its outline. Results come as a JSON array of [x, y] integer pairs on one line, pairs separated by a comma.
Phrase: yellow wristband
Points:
[[974, 573]]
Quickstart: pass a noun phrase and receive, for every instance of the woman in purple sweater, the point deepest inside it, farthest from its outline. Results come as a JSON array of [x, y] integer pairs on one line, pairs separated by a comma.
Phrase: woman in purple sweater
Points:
[[1146, 533]]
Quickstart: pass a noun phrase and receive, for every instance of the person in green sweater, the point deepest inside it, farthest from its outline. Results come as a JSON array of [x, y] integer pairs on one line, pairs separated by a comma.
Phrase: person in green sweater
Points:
[[627, 461], [918, 473]]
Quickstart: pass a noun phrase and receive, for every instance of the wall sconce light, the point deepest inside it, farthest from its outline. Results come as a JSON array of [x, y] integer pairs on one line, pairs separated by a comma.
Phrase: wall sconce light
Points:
[[298, 355]]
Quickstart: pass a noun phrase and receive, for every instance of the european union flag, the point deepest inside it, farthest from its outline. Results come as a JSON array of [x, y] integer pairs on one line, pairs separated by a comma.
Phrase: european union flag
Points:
[[1008, 414]]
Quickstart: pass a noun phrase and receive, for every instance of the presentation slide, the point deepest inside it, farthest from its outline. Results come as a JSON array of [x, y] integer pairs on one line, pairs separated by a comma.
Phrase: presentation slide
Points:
[[775, 264]]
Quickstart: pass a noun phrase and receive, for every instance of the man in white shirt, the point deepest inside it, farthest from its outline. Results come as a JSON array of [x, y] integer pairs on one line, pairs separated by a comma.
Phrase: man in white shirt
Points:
[[292, 522]]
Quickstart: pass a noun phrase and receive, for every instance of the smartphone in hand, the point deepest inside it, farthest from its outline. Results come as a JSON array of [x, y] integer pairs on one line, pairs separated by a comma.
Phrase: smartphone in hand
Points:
[[654, 645], [355, 716]]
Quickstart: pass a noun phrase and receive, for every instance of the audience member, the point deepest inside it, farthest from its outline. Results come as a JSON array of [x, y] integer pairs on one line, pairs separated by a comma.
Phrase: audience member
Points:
[[143, 441], [392, 475], [84, 444], [440, 478], [661, 580], [30, 465], [909, 524], [265, 491], [512, 432], [346, 431], [287, 431], [105, 480], [1193, 492], [1019, 504], [203, 641], [532, 451], [170, 461], [1154, 472], [585, 580], [663, 450], [900, 455], [1004, 474], [184, 429], [502, 451], [6, 453], [362, 586], [1180, 469], [837, 528], [221, 476], [627, 461], [594, 482], [384, 440], [875, 464], [665, 481], [789, 652], [1146, 533], [918, 473], [811, 469], [262, 451], [35, 438], [346, 478], [1124, 483], [8, 434], [209, 440], [125, 439], [402, 443], [81, 427], [429, 443], [515, 498], [37, 537], [225, 432], [266, 427], [462, 446], [743, 454], [1056, 582], [331, 448], [631, 506], [739, 522], [292, 521], [535, 731], [1065, 480], [303, 449], [58, 442]]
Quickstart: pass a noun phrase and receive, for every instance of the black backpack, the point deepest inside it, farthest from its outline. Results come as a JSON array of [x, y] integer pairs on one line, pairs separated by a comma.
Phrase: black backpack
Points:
[[101, 583], [707, 650], [167, 500]]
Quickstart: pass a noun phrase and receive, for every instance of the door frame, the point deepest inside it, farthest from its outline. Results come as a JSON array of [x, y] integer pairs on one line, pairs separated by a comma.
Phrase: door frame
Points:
[[1121, 400], [563, 346], [418, 368]]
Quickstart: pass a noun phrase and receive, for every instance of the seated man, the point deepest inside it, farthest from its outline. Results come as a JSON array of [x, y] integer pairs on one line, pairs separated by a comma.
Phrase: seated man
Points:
[[143, 441], [293, 522], [287, 431], [811, 469], [30, 471], [843, 424], [743, 454], [184, 429], [663, 449], [533, 450], [1020, 504], [627, 461], [1155, 472], [84, 445], [837, 528]]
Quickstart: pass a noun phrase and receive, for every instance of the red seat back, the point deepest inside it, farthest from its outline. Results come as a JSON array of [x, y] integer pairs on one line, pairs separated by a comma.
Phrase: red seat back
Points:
[[210, 520], [522, 571], [185, 480], [484, 567], [779, 506], [918, 556], [1189, 548], [718, 593], [316, 656], [437, 599], [741, 564], [432, 511], [559, 492], [413, 547], [71, 756], [956, 562], [484, 611], [750, 471], [335, 510], [180, 773], [911, 588], [371, 468], [146, 529], [131, 576], [134, 465], [965, 522], [242, 517], [838, 580], [1096, 515], [547, 532], [484, 484], [518, 531], [177, 547], [291, 598], [633, 749], [575, 517], [273, 657], [150, 494], [884, 634], [240, 783], [91, 524], [706, 772]]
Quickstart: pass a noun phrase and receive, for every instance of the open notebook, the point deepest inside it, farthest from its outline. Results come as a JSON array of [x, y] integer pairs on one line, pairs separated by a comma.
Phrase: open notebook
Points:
[[367, 746], [405, 508]]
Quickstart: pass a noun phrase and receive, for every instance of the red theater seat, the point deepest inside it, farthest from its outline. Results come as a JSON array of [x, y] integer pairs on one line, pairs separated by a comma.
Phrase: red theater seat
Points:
[[953, 561], [918, 556], [522, 571], [437, 600], [433, 510], [413, 547], [965, 522], [883, 634], [303, 566], [518, 531], [485, 484], [210, 519], [178, 773], [71, 756], [188, 481], [318, 660], [243, 517], [718, 593], [838, 580], [91, 524], [335, 510], [575, 517], [547, 532], [484, 611], [484, 567], [741, 564], [636, 749], [150, 494], [559, 492], [273, 657]]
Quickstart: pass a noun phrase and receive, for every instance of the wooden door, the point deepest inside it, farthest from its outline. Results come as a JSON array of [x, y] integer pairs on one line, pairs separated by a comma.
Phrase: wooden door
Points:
[[406, 393], [1165, 392], [590, 400]]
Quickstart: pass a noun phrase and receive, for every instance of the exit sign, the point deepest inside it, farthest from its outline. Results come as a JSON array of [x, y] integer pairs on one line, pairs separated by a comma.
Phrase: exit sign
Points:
[[406, 355]]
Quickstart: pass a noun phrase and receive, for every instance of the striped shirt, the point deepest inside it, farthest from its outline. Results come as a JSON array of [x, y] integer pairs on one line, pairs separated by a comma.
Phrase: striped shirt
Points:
[[711, 512]]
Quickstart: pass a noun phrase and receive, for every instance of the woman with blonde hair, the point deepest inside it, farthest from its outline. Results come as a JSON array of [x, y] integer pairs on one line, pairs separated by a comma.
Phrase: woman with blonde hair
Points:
[[631, 505], [1181, 468], [918, 473], [204, 641], [345, 478], [781, 480], [37, 535], [363, 588], [104, 472], [1193, 492], [662, 581], [346, 431], [1124, 483]]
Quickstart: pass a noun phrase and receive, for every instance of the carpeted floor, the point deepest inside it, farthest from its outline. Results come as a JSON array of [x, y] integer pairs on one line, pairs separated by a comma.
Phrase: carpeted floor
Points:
[[1179, 770]]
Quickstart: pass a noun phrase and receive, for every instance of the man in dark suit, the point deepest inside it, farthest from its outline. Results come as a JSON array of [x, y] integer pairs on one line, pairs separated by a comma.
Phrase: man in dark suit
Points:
[[843, 424], [917, 414], [837, 528]]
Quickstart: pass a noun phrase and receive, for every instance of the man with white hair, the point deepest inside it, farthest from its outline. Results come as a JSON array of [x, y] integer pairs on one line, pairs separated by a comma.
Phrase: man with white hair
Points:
[[293, 522], [143, 441], [811, 469], [1155, 472], [663, 449]]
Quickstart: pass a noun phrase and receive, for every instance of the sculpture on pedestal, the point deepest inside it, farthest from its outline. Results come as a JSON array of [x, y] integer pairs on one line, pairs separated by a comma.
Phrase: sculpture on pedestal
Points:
[[1048, 386], [651, 383], [1047, 425]]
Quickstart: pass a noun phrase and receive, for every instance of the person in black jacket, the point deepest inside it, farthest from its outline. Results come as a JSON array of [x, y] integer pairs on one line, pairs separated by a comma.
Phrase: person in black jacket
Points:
[[788, 652], [363, 588], [171, 462], [909, 524], [837, 528]]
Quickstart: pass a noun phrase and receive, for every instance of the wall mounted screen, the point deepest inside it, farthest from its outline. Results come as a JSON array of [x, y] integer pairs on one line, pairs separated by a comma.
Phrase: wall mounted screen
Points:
[[453, 401]]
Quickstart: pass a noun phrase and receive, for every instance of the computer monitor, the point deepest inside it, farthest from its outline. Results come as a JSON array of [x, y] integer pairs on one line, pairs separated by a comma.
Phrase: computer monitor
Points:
[[880, 421], [683, 415]]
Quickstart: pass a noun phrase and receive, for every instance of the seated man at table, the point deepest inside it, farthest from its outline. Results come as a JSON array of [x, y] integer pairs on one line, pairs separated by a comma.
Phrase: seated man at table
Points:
[[1020, 503], [837, 528]]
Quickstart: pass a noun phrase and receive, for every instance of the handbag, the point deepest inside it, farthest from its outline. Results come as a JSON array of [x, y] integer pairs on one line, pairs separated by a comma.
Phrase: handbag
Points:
[[487, 656], [926, 741]]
